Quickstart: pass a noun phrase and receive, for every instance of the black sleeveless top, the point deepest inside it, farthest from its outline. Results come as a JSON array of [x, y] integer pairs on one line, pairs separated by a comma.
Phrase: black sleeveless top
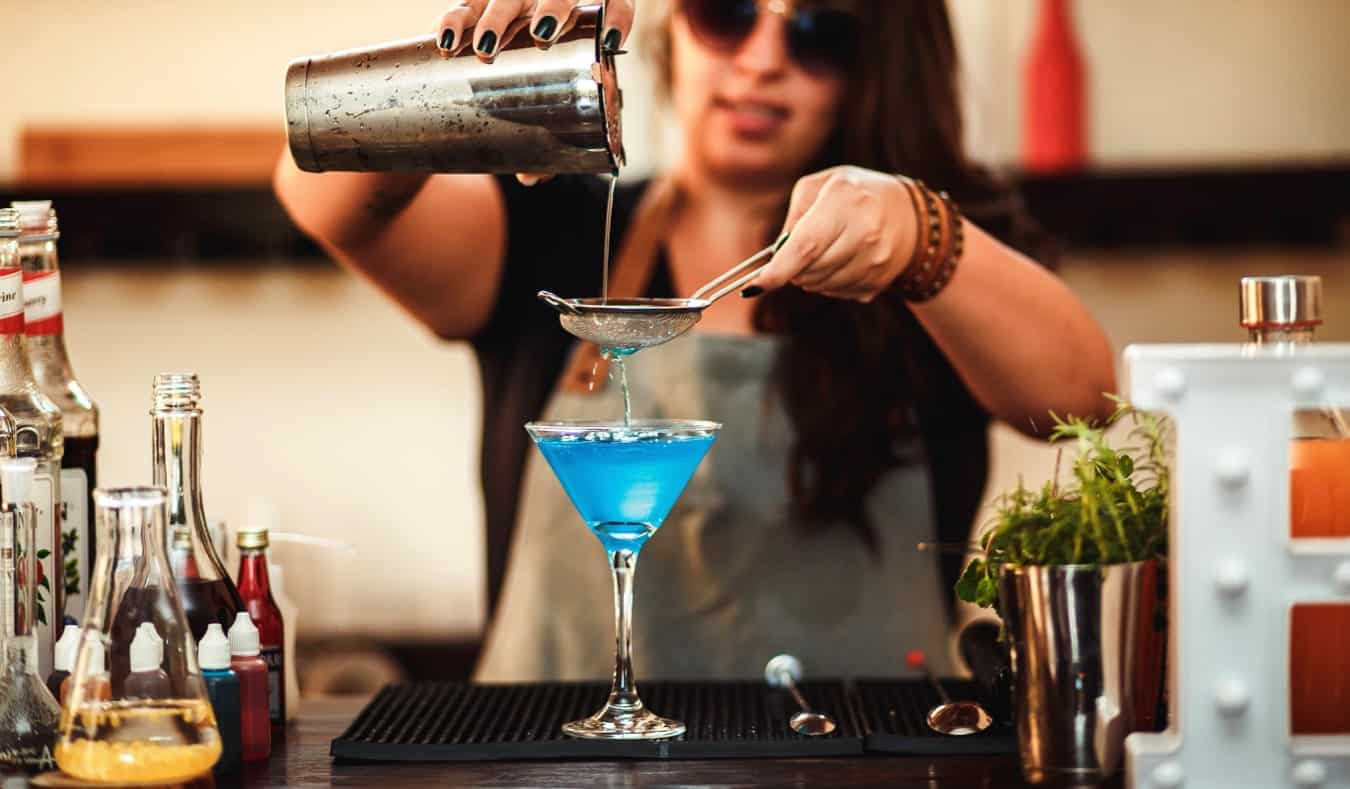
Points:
[[555, 235]]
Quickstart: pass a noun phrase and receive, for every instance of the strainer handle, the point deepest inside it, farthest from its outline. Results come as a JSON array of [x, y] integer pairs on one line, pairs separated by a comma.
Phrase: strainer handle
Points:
[[761, 256]]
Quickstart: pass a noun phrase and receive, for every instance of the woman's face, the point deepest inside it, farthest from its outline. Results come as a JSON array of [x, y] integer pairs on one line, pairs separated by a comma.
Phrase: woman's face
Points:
[[751, 115]]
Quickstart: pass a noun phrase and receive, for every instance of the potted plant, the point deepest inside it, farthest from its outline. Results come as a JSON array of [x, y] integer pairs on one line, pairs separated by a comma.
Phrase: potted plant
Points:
[[1074, 570]]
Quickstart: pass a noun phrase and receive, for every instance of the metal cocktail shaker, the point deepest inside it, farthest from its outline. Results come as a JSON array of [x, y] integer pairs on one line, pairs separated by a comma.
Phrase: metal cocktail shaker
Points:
[[404, 106]]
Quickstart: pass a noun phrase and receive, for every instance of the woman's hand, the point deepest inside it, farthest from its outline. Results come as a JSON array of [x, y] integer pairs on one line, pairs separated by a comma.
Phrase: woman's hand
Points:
[[488, 20], [852, 233]]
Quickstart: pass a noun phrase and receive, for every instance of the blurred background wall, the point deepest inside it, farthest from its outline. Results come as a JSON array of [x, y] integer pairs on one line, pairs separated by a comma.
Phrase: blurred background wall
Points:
[[328, 405], [1201, 81]]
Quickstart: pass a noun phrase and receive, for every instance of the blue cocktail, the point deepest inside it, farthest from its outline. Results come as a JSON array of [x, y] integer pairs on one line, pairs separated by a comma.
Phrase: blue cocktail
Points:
[[623, 480]]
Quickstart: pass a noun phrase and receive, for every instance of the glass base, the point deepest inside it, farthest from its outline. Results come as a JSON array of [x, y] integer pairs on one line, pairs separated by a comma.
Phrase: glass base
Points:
[[611, 724]]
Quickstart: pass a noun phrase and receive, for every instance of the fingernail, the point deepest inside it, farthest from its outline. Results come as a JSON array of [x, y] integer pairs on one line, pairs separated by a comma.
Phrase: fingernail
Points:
[[546, 28], [612, 40], [752, 291], [447, 39], [488, 43]]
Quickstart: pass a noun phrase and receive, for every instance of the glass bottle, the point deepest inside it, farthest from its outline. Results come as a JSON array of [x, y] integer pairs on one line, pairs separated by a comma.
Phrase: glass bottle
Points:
[[29, 714], [289, 620], [256, 590], [205, 588], [123, 739], [1281, 314], [255, 723], [44, 326], [222, 685], [37, 434]]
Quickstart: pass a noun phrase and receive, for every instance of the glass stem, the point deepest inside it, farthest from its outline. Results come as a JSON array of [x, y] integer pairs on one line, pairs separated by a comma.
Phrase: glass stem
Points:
[[623, 696]]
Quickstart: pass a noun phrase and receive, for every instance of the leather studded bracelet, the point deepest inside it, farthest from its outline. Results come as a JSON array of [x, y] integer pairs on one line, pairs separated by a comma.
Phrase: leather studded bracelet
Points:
[[938, 245]]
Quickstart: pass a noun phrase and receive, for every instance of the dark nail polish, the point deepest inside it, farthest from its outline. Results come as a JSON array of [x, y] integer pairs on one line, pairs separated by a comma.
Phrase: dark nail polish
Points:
[[752, 291], [487, 45], [546, 28], [612, 40], [447, 39]]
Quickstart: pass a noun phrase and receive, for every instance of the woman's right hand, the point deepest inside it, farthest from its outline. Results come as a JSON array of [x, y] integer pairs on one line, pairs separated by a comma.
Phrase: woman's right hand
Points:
[[488, 20]]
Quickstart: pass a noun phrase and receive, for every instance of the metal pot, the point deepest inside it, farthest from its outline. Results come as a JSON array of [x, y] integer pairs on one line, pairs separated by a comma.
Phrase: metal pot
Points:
[[404, 106], [1087, 655]]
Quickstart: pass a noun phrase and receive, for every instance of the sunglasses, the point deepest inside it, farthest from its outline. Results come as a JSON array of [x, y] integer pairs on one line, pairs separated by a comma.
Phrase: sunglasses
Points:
[[820, 40]]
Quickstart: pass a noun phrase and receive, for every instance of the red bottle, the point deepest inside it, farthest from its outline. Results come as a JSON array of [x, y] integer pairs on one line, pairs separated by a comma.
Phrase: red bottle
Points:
[[255, 589], [255, 729], [1054, 116]]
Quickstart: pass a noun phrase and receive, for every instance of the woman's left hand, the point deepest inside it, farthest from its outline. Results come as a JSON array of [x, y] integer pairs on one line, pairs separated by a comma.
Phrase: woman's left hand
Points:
[[852, 233]]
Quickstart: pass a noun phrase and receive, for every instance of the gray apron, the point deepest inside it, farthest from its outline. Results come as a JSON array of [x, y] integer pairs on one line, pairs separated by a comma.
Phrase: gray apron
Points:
[[727, 582]]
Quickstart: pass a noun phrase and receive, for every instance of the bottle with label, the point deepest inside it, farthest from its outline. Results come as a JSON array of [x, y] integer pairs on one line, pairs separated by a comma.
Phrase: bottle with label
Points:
[[255, 589], [255, 732], [44, 325], [37, 434], [222, 686], [1280, 315], [207, 593], [29, 714]]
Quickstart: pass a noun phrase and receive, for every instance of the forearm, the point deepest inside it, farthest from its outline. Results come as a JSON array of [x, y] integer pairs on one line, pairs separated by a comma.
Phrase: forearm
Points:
[[434, 245], [343, 209], [1019, 338]]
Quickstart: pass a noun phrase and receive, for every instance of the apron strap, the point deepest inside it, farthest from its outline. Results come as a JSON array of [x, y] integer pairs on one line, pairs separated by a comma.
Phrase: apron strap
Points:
[[630, 274]]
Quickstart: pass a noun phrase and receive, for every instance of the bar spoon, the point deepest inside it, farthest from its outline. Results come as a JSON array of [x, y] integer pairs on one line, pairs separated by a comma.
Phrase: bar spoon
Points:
[[783, 671], [957, 718]]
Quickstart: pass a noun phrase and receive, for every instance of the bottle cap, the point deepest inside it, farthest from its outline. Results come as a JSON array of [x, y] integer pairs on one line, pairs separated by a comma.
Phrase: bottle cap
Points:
[[37, 219], [64, 659], [1285, 301], [98, 660], [251, 538], [213, 652], [9, 223], [244, 639], [16, 479], [147, 649], [177, 392]]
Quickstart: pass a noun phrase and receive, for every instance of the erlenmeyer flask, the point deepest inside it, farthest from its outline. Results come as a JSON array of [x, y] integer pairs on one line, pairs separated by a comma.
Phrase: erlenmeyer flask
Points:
[[127, 737]]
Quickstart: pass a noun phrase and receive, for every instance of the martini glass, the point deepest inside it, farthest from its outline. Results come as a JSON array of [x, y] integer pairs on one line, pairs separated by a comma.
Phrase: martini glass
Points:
[[623, 479]]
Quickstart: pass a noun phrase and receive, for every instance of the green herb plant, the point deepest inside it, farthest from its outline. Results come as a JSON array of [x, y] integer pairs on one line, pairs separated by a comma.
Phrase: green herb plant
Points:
[[1114, 509]]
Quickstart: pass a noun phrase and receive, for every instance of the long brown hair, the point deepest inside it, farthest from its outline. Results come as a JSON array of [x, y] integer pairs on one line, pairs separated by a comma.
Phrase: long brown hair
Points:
[[854, 393]]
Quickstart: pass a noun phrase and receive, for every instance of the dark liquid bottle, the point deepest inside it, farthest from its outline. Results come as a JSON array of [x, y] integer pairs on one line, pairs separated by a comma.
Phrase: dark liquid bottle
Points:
[[205, 589]]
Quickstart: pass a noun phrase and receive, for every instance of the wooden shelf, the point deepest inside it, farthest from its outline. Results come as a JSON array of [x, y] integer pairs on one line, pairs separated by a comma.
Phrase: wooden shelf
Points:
[[160, 156]]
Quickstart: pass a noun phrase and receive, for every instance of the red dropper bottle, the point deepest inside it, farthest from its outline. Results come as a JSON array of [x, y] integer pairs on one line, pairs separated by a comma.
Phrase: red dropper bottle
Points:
[[255, 589], [255, 729]]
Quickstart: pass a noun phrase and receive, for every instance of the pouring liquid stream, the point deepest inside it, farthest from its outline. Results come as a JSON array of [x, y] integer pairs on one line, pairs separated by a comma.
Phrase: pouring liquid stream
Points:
[[615, 357], [609, 221]]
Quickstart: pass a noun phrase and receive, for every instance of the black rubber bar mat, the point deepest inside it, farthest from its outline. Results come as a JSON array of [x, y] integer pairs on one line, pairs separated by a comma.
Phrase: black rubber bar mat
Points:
[[464, 722], [895, 714]]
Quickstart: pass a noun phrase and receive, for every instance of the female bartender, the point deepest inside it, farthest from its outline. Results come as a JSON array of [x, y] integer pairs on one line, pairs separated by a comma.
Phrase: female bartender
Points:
[[855, 376]]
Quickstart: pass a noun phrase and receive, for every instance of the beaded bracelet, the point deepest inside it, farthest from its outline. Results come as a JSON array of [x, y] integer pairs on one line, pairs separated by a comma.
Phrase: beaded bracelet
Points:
[[938, 245]]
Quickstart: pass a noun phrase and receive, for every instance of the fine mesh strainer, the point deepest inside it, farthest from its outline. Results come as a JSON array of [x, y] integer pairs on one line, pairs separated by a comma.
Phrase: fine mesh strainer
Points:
[[628, 325]]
